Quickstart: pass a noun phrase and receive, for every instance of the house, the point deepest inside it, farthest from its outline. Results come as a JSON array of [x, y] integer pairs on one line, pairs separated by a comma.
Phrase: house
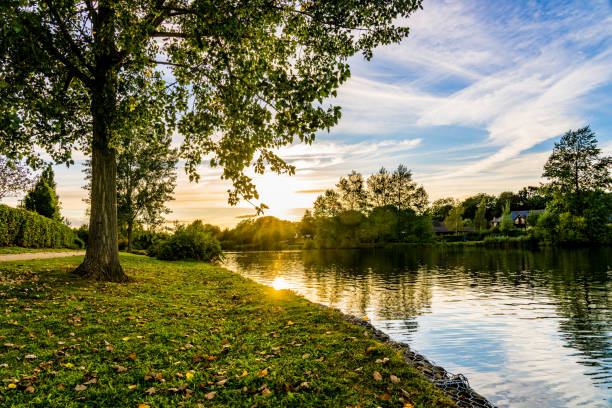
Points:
[[439, 228], [519, 218]]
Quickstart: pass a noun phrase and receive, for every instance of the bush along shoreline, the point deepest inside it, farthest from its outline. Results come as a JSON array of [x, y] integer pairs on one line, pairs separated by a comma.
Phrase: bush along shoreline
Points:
[[188, 334]]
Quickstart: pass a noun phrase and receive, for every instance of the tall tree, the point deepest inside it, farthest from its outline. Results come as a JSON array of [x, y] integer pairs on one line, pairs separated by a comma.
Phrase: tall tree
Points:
[[42, 198], [403, 187], [353, 193], [440, 208], [146, 178], [248, 77], [327, 205], [14, 178], [454, 219], [506, 224], [380, 188], [480, 220], [576, 166]]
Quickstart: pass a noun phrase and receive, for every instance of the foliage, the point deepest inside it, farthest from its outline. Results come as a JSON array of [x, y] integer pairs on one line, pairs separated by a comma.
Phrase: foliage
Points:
[[42, 198], [480, 221], [576, 166], [83, 233], [532, 218], [504, 241], [263, 233], [506, 224], [473, 203], [532, 198], [352, 191], [405, 194], [145, 239], [440, 208], [23, 228], [14, 178], [187, 334], [327, 204], [307, 226], [146, 178], [193, 242], [454, 220], [379, 189], [246, 78]]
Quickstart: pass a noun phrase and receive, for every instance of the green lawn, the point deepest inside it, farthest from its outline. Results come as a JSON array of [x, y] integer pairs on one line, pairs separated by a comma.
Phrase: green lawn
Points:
[[20, 250], [185, 334]]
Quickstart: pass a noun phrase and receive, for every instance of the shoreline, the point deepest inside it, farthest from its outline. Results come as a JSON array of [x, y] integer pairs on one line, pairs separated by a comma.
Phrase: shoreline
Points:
[[454, 386]]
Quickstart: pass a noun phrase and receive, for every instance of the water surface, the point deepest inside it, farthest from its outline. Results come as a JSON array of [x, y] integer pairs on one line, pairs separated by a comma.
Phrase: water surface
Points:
[[528, 329]]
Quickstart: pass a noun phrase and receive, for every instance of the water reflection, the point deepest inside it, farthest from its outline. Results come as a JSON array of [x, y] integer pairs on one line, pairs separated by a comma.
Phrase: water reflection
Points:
[[528, 328]]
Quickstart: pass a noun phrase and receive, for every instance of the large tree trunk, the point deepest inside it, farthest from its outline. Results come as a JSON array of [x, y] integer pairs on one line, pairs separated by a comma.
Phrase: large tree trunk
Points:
[[102, 256]]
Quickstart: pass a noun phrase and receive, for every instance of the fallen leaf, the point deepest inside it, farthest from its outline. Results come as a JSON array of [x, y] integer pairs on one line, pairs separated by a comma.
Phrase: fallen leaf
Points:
[[289, 323], [80, 387], [12, 386], [245, 373], [120, 369], [370, 349], [266, 391], [29, 388], [131, 387], [263, 372], [385, 397], [151, 391], [377, 376], [143, 406], [125, 338], [30, 356], [394, 379], [365, 318], [210, 395], [189, 375], [221, 382]]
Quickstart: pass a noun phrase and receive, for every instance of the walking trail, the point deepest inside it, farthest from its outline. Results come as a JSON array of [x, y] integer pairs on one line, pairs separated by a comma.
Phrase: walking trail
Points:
[[38, 255]]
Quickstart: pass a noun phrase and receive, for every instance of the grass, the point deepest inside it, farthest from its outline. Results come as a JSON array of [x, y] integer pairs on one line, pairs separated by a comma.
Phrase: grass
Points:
[[20, 250], [185, 334]]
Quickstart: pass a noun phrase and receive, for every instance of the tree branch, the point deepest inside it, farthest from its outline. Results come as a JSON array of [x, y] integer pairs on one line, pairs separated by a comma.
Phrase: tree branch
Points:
[[64, 30]]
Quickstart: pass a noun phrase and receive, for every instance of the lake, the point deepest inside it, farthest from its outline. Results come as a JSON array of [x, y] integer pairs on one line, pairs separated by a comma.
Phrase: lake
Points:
[[527, 328]]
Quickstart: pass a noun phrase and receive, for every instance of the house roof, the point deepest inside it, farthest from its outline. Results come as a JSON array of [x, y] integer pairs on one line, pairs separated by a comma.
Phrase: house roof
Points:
[[515, 214]]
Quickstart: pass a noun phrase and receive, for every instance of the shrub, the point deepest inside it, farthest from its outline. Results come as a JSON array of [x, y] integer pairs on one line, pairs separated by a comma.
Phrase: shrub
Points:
[[122, 244], [30, 230], [309, 244], [192, 242], [145, 239]]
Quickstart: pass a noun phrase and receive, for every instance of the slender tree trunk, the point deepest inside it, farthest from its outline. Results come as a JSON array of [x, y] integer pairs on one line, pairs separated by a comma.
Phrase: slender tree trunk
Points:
[[129, 234]]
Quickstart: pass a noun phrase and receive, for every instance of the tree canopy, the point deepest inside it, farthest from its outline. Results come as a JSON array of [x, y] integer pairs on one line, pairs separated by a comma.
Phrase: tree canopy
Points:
[[576, 166], [236, 79]]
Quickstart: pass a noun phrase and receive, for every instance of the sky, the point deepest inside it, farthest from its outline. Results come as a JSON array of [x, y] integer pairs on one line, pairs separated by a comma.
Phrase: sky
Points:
[[472, 101]]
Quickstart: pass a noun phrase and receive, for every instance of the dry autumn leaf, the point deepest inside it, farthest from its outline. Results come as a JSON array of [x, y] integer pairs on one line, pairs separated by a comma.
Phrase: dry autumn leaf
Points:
[[394, 379], [143, 406], [151, 391], [377, 376], [12, 386], [80, 387], [131, 387], [210, 395]]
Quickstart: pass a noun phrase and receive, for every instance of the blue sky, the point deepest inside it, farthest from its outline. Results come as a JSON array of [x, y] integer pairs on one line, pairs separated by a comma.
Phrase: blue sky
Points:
[[471, 101]]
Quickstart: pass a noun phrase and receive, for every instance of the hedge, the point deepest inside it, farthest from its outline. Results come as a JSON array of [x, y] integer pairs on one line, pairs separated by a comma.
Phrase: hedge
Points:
[[30, 230]]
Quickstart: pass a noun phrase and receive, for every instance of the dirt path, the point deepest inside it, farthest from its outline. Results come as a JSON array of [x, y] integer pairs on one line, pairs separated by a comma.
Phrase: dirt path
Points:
[[38, 255]]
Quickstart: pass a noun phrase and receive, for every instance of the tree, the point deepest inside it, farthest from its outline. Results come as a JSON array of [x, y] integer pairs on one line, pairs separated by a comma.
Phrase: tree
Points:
[[353, 194], [532, 198], [454, 219], [440, 208], [327, 205], [247, 77], [576, 167], [146, 178], [14, 178], [42, 198], [379, 188], [480, 221], [506, 224], [403, 187], [472, 203]]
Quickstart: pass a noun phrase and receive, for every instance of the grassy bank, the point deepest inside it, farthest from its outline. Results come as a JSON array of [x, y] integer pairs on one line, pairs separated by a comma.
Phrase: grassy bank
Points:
[[185, 334]]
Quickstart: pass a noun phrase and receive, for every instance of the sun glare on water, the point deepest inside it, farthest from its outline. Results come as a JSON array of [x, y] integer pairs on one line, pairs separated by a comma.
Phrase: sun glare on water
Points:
[[279, 283]]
